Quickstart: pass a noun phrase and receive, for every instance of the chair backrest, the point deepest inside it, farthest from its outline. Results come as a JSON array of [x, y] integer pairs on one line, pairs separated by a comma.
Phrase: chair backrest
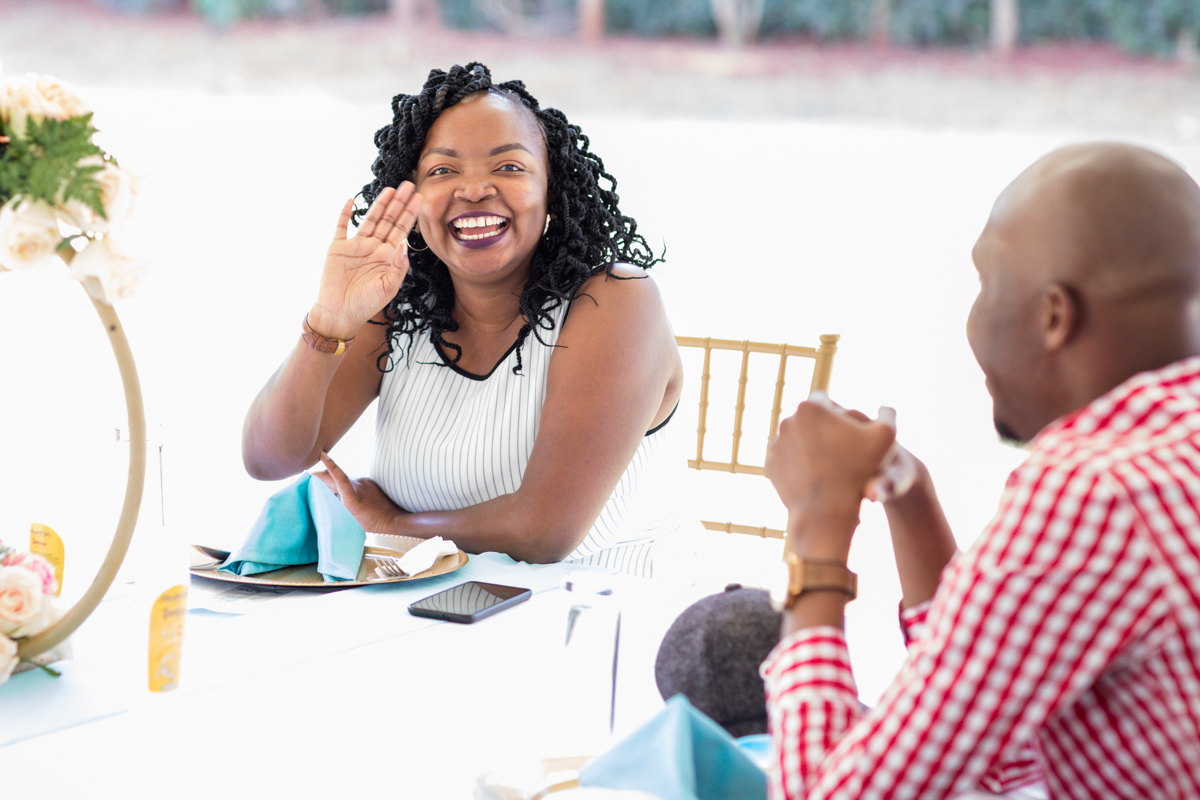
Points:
[[823, 358]]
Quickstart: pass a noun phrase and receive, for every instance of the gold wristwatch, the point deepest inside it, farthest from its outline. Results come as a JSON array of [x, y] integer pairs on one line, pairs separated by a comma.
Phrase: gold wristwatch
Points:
[[798, 575]]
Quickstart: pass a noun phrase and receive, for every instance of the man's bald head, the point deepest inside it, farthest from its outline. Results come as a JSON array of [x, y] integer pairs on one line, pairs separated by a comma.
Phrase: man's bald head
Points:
[[1090, 273], [1127, 219]]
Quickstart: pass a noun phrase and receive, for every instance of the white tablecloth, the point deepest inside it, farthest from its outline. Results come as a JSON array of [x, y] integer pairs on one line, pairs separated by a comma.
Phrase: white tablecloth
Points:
[[313, 694]]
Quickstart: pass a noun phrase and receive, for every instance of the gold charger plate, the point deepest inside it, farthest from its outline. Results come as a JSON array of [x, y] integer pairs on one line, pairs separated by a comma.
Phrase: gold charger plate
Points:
[[530, 781], [306, 575]]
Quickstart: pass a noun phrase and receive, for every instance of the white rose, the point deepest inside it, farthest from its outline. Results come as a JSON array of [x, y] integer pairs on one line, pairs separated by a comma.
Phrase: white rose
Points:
[[24, 609], [106, 271], [39, 97], [28, 234], [8, 657], [118, 190]]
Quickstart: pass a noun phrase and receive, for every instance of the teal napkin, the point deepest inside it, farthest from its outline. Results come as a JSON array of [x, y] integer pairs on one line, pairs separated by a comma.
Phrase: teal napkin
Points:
[[681, 754], [300, 524]]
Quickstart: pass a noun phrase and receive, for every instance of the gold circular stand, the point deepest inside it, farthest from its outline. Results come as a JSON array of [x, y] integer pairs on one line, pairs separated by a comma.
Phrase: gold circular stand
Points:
[[59, 631]]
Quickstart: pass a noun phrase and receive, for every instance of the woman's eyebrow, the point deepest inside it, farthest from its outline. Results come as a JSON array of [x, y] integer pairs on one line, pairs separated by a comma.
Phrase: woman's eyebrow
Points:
[[504, 148]]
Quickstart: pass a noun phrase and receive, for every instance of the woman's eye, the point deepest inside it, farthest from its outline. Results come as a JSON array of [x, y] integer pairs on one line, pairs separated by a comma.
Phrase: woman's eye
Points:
[[440, 171], [509, 168]]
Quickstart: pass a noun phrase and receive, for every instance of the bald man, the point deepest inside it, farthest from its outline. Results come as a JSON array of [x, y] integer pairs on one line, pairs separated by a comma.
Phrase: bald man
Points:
[[1062, 650]]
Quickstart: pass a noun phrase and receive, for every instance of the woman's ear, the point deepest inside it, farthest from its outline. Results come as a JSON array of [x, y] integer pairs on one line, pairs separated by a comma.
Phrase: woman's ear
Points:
[[1060, 316]]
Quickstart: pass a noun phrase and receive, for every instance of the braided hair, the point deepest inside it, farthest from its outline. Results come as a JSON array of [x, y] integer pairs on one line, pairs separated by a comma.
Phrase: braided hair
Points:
[[587, 234]]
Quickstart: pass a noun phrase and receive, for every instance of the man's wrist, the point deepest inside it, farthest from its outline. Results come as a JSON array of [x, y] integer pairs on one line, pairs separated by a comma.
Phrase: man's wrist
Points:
[[815, 608], [917, 496], [822, 530]]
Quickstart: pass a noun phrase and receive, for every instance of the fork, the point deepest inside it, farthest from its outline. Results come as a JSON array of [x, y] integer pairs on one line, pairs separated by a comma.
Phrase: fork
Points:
[[390, 568]]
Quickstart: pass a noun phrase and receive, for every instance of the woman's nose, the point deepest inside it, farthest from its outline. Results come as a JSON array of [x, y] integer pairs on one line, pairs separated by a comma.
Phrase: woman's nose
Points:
[[474, 189]]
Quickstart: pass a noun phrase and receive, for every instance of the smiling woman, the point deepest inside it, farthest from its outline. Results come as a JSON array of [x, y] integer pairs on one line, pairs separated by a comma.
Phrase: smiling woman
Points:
[[489, 219]]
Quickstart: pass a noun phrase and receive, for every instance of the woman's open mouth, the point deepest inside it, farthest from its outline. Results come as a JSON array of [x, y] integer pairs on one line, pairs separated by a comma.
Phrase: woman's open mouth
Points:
[[478, 229]]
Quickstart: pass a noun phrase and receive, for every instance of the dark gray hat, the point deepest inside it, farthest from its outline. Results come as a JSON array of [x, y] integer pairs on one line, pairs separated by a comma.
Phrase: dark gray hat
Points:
[[712, 652]]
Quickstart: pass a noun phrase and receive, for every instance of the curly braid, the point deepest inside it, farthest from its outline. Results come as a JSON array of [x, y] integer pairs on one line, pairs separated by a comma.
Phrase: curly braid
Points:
[[587, 235]]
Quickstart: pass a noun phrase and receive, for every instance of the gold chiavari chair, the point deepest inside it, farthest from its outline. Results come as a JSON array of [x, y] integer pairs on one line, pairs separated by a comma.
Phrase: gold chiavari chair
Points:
[[823, 358]]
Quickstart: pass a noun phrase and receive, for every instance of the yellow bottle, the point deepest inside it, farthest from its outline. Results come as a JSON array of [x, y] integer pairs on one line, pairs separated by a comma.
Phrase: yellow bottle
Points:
[[157, 566]]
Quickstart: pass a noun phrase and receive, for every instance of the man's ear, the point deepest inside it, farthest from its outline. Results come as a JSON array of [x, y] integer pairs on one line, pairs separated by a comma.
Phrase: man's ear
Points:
[[1060, 316]]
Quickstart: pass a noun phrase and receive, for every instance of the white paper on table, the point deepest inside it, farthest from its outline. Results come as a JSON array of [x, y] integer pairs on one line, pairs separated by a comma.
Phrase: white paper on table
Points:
[[425, 555]]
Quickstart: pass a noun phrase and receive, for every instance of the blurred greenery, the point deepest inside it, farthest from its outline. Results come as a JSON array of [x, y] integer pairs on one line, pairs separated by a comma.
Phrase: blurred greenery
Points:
[[927, 22], [225, 12], [1142, 26]]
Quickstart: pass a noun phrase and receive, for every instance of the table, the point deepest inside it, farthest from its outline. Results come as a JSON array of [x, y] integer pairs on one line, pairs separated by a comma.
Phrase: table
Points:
[[311, 694]]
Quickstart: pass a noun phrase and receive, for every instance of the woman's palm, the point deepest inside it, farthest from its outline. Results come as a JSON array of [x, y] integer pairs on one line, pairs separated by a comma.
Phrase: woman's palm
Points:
[[363, 272]]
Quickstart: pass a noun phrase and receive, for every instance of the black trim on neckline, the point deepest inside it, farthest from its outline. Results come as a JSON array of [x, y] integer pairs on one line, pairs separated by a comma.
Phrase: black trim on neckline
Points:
[[662, 424], [472, 375]]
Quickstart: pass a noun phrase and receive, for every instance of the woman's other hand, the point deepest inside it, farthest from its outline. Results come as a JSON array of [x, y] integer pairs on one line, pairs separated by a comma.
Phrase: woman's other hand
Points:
[[363, 272], [362, 497]]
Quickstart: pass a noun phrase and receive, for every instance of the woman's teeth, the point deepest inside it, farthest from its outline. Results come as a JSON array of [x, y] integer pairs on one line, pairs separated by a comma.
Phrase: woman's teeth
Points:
[[491, 226]]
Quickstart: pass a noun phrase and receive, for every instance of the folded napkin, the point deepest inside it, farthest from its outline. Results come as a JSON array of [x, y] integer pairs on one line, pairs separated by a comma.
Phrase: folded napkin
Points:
[[758, 747], [680, 754], [300, 524], [425, 555]]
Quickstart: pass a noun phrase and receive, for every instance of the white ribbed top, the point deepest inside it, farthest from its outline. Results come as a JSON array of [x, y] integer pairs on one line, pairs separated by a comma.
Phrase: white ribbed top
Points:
[[447, 439]]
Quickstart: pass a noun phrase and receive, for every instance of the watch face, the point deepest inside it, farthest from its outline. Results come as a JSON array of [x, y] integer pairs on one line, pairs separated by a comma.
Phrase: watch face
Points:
[[780, 587]]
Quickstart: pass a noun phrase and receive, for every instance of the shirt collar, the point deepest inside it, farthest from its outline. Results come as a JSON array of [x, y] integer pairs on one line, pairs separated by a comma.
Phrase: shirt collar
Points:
[[1180, 378]]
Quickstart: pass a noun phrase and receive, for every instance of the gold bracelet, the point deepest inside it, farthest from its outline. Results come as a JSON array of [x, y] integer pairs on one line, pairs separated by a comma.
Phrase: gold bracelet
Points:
[[324, 344]]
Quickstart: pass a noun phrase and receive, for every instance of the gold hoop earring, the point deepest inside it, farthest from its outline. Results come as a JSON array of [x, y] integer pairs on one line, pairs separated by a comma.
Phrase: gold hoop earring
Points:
[[546, 227], [416, 249]]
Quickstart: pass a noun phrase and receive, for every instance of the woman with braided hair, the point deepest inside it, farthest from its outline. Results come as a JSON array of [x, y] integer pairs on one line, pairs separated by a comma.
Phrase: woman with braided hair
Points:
[[498, 307]]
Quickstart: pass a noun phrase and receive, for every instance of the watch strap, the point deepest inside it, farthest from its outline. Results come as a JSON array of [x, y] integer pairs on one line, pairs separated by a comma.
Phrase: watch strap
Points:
[[811, 575], [324, 344]]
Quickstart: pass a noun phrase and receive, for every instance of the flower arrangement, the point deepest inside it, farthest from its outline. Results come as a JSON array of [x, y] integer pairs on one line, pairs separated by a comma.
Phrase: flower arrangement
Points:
[[61, 195], [27, 591], [61, 199]]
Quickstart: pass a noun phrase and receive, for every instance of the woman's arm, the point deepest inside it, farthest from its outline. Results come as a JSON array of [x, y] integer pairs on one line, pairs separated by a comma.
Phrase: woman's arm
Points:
[[616, 374], [309, 404], [313, 398]]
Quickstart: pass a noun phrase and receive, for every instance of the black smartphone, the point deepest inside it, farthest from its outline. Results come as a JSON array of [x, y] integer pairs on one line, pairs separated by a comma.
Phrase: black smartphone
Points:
[[469, 601]]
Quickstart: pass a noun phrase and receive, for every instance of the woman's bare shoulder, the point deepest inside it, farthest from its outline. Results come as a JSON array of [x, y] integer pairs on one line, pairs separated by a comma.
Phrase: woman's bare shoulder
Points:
[[627, 285], [623, 306]]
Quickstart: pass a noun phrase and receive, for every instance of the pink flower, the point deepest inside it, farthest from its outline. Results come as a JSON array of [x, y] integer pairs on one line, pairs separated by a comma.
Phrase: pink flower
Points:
[[35, 564], [25, 609]]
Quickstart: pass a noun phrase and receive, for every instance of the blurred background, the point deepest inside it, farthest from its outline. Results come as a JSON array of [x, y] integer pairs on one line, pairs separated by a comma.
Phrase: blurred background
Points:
[[807, 166]]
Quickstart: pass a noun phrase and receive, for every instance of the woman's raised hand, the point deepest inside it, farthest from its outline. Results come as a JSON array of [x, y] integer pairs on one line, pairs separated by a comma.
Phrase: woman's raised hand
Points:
[[363, 272]]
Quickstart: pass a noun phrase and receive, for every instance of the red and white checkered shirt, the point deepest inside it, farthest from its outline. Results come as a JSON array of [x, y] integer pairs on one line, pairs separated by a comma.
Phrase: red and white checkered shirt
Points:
[[1063, 646]]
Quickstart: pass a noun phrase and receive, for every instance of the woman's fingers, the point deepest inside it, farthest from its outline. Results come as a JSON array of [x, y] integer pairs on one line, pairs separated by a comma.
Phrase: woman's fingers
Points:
[[392, 214], [408, 217], [341, 483], [401, 214], [375, 212], [343, 224], [390, 218], [327, 479]]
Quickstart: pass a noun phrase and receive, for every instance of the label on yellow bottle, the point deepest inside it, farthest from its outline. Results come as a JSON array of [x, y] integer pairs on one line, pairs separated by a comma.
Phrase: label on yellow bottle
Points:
[[166, 638], [44, 542]]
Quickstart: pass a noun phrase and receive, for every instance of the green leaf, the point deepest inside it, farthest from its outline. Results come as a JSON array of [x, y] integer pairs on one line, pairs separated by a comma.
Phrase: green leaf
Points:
[[44, 162]]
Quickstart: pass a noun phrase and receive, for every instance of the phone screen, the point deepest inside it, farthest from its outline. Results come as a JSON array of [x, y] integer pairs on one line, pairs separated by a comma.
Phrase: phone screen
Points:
[[469, 601]]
